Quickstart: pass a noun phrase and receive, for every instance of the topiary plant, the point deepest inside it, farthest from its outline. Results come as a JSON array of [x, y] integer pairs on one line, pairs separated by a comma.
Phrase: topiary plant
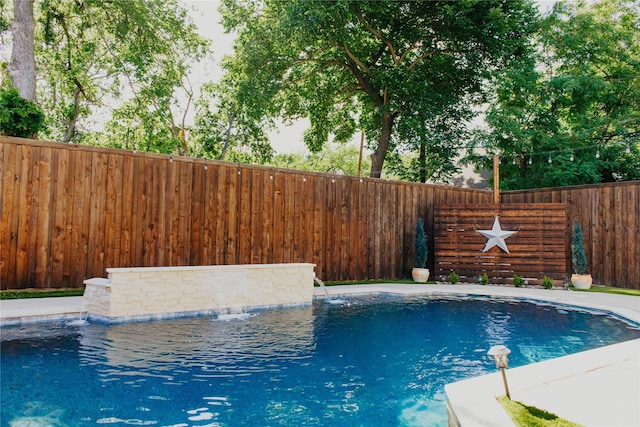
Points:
[[578, 258], [19, 116], [421, 249]]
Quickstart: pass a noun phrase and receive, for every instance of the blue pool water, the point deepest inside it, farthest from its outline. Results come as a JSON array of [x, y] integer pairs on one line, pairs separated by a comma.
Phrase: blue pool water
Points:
[[375, 361]]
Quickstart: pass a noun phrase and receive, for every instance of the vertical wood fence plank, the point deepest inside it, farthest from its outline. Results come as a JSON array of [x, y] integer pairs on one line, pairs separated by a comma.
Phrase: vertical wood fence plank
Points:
[[196, 201], [185, 215], [208, 215], [299, 199], [9, 210], [28, 221], [328, 232], [81, 205], [244, 218], [222, 214], [266, 211], [60, 197], [140, 220], [353, 229], [234, 177], [169, 216], [278, 217], [317, 184], [127, 210], [43, 219], [363, 230], [289, 218], [632, 243], [113, 210], [97, 216]]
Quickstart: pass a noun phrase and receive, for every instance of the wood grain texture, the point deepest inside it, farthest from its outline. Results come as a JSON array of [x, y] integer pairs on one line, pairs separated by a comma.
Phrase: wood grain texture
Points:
[[537, 249], [70, 211]]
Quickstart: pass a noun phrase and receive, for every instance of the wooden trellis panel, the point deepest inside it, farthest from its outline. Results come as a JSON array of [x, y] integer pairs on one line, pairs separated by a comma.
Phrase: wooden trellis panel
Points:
[[537, 249]]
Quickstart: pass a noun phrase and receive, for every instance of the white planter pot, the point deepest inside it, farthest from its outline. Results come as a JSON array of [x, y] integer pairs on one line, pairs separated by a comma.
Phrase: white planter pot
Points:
[[420, 275], [581, 281]]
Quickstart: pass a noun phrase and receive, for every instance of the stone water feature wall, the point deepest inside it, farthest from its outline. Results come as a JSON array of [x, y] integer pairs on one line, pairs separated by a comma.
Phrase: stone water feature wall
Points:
[[144, 293]]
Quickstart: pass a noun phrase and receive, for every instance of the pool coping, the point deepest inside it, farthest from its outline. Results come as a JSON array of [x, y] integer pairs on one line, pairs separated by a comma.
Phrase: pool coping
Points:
[[611, 372]]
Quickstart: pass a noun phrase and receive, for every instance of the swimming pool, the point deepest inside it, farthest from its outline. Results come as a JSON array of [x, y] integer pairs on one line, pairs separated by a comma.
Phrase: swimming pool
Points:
[[373, 361]]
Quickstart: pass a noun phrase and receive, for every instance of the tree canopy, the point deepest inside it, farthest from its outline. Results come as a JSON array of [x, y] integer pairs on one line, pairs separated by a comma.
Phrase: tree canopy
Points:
[[559, 95], [571, 114], [389, 68], [127, 58]]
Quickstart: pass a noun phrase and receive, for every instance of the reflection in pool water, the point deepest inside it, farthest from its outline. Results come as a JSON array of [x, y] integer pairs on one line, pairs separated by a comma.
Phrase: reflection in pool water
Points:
[[372, 361]]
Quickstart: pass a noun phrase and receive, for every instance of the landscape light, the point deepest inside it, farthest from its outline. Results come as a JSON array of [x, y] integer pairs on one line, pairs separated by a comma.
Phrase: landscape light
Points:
[[500, 355]]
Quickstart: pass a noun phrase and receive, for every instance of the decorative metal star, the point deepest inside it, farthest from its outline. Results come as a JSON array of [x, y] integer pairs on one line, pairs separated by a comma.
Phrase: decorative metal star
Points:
[[496, 236]]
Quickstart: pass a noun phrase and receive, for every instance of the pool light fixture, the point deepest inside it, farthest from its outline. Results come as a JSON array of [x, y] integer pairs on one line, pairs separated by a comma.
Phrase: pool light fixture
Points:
[[500, 355]]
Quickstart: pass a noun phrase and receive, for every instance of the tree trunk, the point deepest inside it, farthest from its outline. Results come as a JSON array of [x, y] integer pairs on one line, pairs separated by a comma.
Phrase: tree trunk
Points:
[[22, 68], [377, 158], [73, 118], [422, 162]]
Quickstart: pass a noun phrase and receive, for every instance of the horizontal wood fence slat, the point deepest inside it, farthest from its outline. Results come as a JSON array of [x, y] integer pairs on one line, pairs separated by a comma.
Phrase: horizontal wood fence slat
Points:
[[537, 249], [70, 211]]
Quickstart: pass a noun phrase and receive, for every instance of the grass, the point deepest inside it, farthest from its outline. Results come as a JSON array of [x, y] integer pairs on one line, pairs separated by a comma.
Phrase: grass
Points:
[[33, 293], [530, 416], [41, 294], [374, 282], [609, 290]]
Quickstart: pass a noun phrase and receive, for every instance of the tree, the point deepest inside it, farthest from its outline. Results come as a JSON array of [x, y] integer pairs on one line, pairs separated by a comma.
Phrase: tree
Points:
[[572, 116], [334, 158], [371, 65], [222, 129], [19, 116], [4, 22], [22, 67], [93, 52]]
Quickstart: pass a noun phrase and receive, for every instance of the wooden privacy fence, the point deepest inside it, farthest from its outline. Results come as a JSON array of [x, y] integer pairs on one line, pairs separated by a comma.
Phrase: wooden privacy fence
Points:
[[535, 250], [610, 219], [69, 212]]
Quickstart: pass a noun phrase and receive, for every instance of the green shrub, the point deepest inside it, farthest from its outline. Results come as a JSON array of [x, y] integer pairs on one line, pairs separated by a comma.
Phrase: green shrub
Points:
[[518, 281], [547, 283], [19, 116], [453, 277], [484, 279]]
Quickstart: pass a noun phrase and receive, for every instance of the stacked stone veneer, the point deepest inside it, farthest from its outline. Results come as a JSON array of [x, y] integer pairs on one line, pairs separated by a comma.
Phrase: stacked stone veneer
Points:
[[143, 293]]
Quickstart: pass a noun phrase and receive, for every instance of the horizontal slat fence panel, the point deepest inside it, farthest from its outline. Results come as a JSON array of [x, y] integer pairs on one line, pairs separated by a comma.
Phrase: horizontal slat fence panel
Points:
[[69, 212], [610, 219], [536, 250]]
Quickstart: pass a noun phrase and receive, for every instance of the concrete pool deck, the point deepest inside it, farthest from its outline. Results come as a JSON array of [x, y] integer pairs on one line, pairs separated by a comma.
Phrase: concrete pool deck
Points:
[[598, 387]]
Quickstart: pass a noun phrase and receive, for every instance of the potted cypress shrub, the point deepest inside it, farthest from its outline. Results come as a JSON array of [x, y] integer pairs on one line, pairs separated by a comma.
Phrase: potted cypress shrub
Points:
[[420, 273], [579, 279]]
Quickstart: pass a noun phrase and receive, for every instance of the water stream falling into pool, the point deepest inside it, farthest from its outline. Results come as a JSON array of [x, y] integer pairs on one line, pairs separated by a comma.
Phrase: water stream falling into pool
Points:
[[328, 299]]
